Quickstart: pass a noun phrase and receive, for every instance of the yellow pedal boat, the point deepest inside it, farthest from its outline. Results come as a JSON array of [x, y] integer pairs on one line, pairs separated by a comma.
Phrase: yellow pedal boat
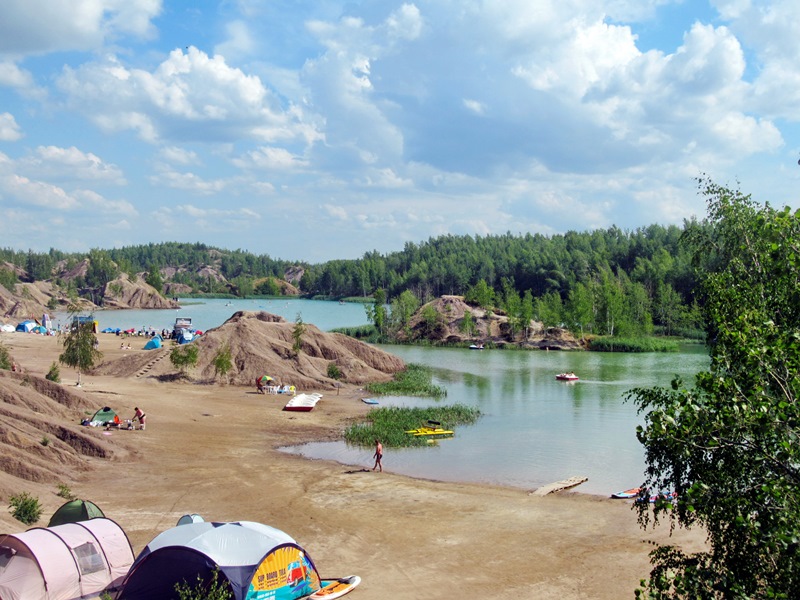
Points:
[[432, 428]]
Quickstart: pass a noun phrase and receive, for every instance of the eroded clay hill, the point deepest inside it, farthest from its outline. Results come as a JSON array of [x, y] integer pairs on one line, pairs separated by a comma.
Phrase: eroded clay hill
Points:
[[261, 343], [41, 438], [490, 327]]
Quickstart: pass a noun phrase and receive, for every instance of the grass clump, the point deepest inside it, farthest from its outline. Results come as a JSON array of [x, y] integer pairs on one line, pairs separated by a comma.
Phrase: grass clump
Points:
[[389, 424], [65, 492], [643, 344], [414, 380]]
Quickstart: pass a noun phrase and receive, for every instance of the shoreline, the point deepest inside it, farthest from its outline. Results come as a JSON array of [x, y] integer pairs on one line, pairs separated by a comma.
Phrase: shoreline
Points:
[[213, 450]]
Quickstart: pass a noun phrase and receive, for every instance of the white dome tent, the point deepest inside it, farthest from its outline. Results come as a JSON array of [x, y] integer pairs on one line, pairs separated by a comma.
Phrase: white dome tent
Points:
[[65, 562]]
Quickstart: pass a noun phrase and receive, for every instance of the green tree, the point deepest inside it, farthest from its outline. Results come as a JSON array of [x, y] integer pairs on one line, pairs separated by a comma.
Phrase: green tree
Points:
[[402, 309], [512, 304], [480, 294], [101, 269], [579, 313], [269, 287], [431, 319], [5, 357], [223, 361], [550, 309], [80, 346], [377, 312], [8, 279], [297, 334], [184, 357], [611, 311], [468, 325], [154, 279], [668, 308], [54, 374], [729, 445], [526, 312]]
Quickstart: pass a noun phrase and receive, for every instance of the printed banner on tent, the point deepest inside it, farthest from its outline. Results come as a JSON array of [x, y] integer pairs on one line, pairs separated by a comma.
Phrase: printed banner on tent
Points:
[[285, 574]]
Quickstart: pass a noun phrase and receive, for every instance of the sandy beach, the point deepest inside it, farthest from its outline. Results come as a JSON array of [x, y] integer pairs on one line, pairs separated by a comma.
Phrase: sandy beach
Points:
[[212, 450]]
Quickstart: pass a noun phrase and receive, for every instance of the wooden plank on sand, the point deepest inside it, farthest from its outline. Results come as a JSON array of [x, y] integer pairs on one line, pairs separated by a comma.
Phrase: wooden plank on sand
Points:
[[558, 486]]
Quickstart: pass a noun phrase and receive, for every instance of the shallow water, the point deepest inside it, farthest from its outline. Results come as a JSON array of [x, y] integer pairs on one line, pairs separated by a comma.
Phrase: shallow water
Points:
[[206, 314], [534, 429]]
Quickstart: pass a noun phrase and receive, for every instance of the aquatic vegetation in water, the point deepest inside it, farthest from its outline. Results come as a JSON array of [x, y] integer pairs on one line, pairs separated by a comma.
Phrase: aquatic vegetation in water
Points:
[[389, 424]]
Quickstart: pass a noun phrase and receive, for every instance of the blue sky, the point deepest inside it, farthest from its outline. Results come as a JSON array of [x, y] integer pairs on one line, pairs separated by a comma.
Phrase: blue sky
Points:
[[324, 130]]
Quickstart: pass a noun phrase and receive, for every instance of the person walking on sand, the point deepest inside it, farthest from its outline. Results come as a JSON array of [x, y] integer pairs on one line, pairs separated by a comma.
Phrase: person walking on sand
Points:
[[378, 456], [140, 415]]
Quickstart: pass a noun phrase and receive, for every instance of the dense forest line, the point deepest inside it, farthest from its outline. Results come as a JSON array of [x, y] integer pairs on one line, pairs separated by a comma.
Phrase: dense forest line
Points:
[[608, 282]]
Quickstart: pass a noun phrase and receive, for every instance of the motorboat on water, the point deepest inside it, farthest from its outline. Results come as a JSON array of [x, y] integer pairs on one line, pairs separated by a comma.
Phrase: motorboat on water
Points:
[[567, 376]]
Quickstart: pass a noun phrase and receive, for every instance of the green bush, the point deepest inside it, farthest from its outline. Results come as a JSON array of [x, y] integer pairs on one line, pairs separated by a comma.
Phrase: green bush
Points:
[[202, 590], [368, 333], [25, 508], [5, 358], [45, 441], [54, 374], [334, 372], [223, 361], [185, 356]]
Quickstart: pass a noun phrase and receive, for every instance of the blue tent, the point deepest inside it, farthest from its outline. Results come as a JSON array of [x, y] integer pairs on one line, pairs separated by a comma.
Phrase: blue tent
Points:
[[255, 562], [26, 326], [153, 344]]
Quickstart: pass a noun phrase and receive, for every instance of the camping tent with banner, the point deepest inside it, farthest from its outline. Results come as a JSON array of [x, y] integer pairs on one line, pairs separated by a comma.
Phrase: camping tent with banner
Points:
[[68, 561], [74, 511], [254, 561]]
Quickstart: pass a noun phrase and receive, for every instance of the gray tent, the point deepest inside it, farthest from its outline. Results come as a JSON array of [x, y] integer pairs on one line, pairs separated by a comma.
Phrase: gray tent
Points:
[[253, 561]]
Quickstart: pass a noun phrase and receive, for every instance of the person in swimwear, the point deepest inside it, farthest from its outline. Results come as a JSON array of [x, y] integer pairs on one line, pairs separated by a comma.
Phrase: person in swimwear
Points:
[[139, 414], [378, 456]]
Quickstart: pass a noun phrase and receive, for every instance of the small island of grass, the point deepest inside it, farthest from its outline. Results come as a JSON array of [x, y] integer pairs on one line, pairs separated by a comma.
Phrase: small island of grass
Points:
[[414, 380], [389, 424]]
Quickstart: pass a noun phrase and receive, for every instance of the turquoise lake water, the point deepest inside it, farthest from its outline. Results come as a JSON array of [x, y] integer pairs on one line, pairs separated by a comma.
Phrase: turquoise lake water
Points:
[[534, 429]]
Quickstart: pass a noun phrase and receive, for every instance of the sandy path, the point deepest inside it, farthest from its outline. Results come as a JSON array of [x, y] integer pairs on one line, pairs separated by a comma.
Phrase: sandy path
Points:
[[211, 450]]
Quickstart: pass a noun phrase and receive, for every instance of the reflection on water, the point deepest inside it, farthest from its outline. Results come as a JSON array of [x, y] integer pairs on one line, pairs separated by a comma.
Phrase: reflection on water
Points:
[[534, 429]]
